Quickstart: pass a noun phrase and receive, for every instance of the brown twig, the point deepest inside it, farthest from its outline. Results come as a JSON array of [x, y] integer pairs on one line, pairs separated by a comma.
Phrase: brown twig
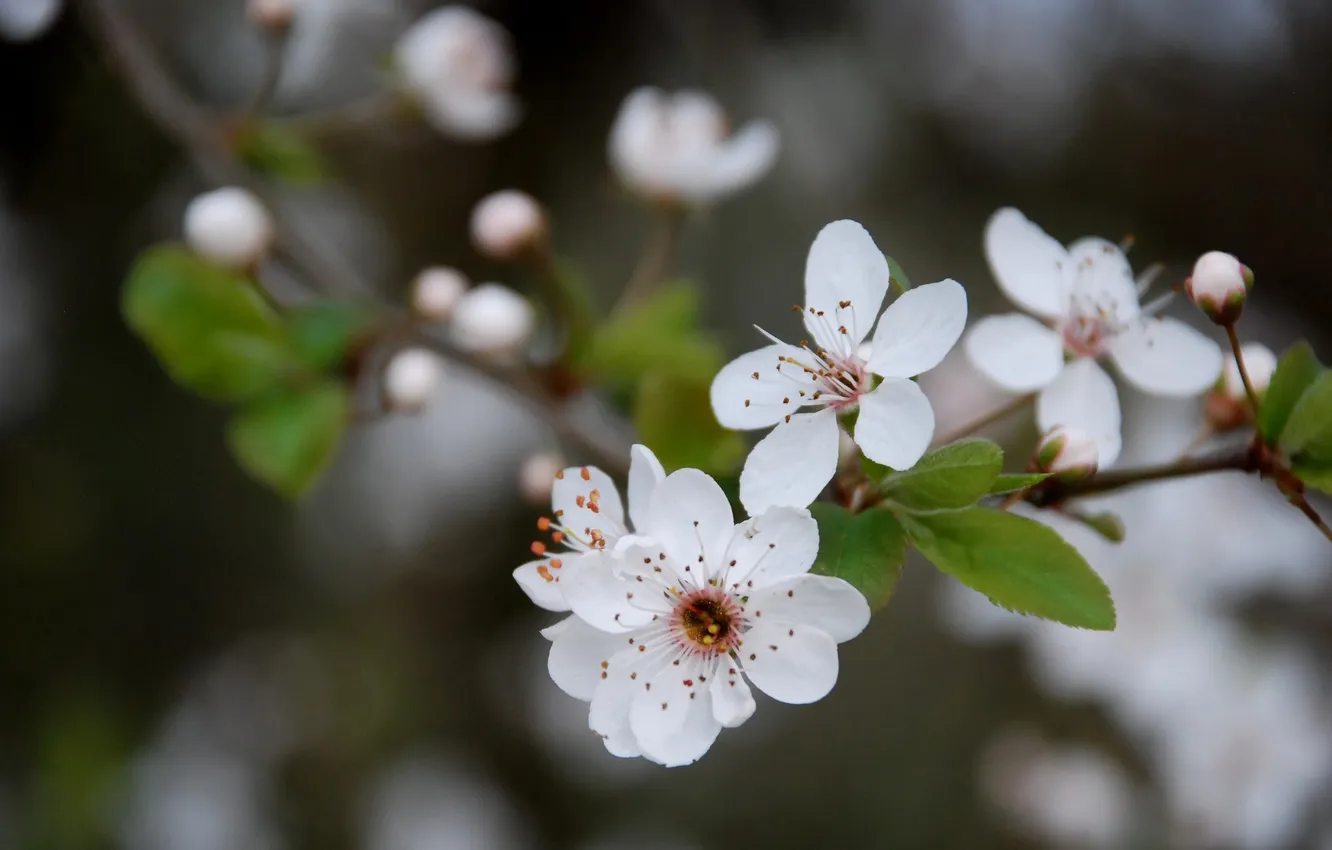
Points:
[[982, 421], [1053, 492], [1243, 370]]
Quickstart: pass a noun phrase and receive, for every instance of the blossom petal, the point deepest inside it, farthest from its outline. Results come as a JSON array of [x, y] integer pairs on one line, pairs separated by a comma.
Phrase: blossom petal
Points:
[[661, 708], [1099, 276], [896, 424], [645, 473], [1026, 263], [844, 265], [691, 517], [692, 741], [1015, 351], [599, 596], [579, 657], [1167, 357], [544, 592], [470, 115], [633, 136], [792, 464], [794, 664], [745, 402], [732, 700], [782, 541], [918, 330], [741, 160], [622, 743], [1083, 396], [829, 604], [628, 672], [579, 483]]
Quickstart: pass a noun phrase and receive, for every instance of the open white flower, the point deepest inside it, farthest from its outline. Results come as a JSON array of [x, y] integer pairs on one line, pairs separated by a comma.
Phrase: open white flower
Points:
[[679, 147], [1086, 301], [662, 645], [589, 519], [846, 279]]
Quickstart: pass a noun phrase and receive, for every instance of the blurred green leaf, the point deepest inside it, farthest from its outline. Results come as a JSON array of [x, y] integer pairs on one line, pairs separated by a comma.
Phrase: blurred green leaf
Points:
[[673, 415], [1295, 373], [79, 758], [287, 439], [899, 275], [1018, 563], [276, 151], [1308, 431], [950, 477], [658, 335], [1315, 475], [207, 326], [866, 549], [1106, 524], [323, 334], [1011, 483]]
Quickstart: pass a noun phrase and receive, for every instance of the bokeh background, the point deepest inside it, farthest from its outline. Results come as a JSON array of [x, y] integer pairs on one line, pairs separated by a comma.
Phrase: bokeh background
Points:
[[189, 663]]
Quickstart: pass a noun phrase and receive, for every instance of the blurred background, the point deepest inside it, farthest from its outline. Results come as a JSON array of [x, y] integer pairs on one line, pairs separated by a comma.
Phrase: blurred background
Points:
[[189, 663]]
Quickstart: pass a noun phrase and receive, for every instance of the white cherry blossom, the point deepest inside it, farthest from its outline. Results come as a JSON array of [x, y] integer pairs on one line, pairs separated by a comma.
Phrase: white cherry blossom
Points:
[[1086, 306], [679, 147], [846, 279], [665, 646], [588, 521]]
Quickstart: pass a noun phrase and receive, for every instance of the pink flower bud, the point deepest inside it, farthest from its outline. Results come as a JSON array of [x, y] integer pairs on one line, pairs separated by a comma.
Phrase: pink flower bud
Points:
[[537, 477], [1219, 286], [229, 227], [411, 378], [507, 223], [492, 319], [1069, 453], [272, 14], [436, 291]]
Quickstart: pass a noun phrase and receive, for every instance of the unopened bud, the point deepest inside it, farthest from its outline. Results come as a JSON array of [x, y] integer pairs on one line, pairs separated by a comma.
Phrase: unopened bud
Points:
[[1069, 453], [492, 319], [505, 224], [229, 227], [272, 14], [411, 378], [536, 478], [436, 291], [1219, 285], [1226, 405]]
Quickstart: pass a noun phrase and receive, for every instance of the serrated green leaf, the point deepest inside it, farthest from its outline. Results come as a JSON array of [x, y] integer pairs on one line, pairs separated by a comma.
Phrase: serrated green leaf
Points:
[[207, 326], [1013, 482], [1018, 563], [950, 477], [287, 439], [1296, 371], [1315, 475], [658, 335], [674, 418], [278, 152], [866, 549], [323, 334], [1308, 431]]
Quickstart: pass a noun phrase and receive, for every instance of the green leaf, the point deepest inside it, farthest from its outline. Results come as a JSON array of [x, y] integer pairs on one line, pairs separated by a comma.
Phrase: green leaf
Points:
[[323, 334], [1315, 475], [1106, 524], [951, 477], [287, 439], [657, 335], [1018, 563], [898, 275], [207, 326], [1011, 482], [865, 549], [1308, 431], [278, 152], [1295, 373], [674, 417]]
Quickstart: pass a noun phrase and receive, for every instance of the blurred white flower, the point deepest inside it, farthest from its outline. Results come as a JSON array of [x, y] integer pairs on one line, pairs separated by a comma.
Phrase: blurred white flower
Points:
[[456, 63], [678, 148], [1219, 285], [846, 279], [588, 520], [507, 223], [492, 319], [1070, 453], [425, 803], [24, 20], [272, 14], [230, 227], [536, 477], [1087, 302], [411, 378], [436, 291], [662, 646]]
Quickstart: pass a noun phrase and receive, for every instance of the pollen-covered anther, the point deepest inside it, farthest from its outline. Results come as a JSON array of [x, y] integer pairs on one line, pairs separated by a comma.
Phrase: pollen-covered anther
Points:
[[544, 572], [587, 476], [538, 548], [543, 524]]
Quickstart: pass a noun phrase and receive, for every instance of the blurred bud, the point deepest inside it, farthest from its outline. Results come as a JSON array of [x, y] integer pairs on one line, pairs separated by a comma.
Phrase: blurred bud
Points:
[[436, 291], [1069, 453], [1219, 285], [1226, 405], [272, 14], [507, 223], [536, 478], [679, 148], [492, 319], [411, 378], [457, 65], [229, 227]]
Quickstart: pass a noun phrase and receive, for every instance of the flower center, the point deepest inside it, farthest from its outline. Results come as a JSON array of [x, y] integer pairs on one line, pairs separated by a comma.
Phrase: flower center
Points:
[[707, 620]]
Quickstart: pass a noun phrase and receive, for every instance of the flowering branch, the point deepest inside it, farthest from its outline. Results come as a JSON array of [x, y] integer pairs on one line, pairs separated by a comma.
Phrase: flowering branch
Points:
[[984, 420], [1054, 492]]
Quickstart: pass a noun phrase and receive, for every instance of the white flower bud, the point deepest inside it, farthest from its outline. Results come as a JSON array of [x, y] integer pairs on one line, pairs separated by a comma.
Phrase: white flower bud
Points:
[[1259, 362], [492, 319], [456, 63], [1069, 453], [411, 378], [272, 14], [536, 478], [436, 291], [507, 223], [1219, 285], [229, 227]]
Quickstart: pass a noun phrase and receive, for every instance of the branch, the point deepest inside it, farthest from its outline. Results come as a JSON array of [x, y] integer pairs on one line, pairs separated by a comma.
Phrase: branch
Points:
[[1054, 492]]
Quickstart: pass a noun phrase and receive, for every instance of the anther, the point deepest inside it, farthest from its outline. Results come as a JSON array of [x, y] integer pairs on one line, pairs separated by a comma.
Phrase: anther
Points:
[[587, 476], [543, 524], [538, 548]]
